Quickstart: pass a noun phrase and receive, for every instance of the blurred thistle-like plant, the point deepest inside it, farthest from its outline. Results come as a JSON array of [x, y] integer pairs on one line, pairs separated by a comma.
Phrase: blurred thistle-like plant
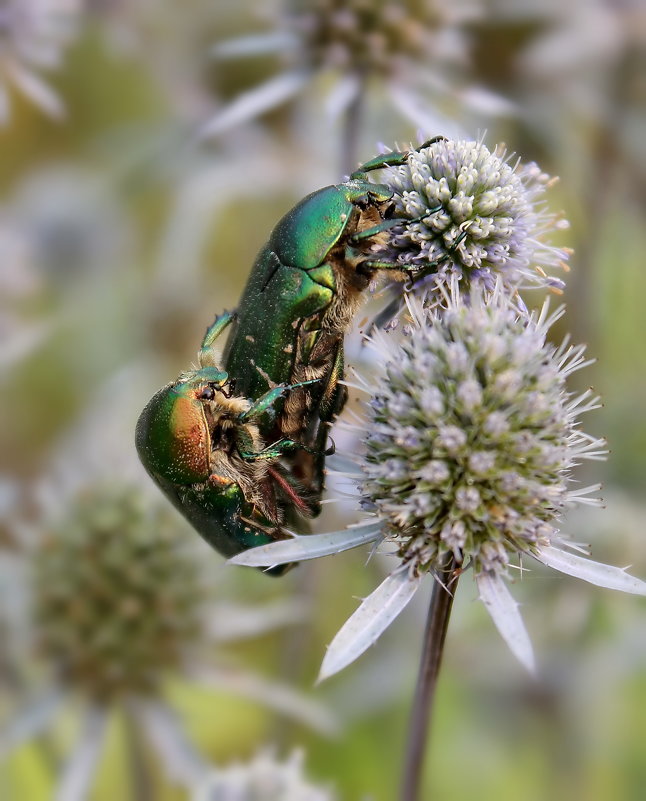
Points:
[[120, 606], [264, 778], [33, 36], [416, 50]]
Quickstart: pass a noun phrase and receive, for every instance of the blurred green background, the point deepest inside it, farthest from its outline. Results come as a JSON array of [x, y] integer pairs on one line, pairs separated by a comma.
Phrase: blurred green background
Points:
[[123, 231]]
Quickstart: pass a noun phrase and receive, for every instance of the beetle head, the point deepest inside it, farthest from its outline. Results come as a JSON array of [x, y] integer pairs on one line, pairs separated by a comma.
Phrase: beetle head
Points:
[[172, 435]]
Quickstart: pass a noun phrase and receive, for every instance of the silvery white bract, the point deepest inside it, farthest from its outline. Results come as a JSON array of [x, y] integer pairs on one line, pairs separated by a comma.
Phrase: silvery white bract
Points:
[[262, 779], [470, 440], [485, 216], [33, 35]]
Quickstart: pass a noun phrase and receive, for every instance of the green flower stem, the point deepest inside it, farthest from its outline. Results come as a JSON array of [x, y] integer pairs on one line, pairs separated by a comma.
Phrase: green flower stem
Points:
[[437, 624], [141, 782], [351, 132]]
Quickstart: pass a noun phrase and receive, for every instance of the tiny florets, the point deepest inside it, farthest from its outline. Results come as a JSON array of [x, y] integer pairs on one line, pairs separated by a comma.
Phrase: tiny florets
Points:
[[472, 434], [482, 217], [262, 779]]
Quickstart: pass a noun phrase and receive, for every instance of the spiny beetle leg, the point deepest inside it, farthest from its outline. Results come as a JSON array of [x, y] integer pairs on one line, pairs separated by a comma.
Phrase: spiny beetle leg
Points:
[[279, 448], [393, 222], [393, 159], [264, 402], [222, 321]]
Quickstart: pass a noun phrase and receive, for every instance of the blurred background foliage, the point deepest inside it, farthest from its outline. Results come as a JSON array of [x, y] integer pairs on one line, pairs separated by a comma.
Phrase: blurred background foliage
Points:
[[127, 223]]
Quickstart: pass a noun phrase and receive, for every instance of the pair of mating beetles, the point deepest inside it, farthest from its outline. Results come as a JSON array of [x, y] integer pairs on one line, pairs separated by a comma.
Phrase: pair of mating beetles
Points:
[[239, 448]]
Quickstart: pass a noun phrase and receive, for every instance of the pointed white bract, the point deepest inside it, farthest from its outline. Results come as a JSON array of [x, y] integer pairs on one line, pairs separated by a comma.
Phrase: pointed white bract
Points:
[[370, 620], [30, 722], [309, 547], [271, 694], [256, 101], [34, 35], [182, 764], [75, 782], [505, 614], [613, 578]]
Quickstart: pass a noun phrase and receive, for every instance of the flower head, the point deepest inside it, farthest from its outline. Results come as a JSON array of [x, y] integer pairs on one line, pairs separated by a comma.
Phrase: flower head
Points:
[[262, 779], [471, 434], [117, 597], [33, 34], [119, 604], [416, 49], [471, 437], [475, 216], [365, 37]]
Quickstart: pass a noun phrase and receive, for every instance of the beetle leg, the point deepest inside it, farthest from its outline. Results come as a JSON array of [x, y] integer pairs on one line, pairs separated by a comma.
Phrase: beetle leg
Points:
[[279, 448], [393, 222], [206, 356], [266, 401], [335, 394], [393, 159]]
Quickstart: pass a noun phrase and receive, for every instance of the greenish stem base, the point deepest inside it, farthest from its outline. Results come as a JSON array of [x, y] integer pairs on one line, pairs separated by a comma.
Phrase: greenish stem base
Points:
[[351, 133], [436, 626]]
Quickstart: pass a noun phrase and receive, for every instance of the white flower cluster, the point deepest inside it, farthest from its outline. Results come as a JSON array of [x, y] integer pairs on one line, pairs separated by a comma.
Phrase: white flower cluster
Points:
[[476, 216], [262, 779], [471, 433]]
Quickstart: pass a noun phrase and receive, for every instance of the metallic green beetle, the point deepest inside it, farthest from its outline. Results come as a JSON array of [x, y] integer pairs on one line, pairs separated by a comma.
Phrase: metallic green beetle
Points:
[[302, 294], [200, 443], [206, 448]]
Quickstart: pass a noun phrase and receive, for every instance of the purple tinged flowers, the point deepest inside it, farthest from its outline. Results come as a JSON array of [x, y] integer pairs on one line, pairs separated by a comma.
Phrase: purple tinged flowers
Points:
[[482, 216]]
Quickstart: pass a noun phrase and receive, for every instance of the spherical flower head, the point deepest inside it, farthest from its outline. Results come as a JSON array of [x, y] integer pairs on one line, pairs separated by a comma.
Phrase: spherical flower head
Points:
[[472, 434], [262, 779], [117, 598], [366, 37], [475, 216]]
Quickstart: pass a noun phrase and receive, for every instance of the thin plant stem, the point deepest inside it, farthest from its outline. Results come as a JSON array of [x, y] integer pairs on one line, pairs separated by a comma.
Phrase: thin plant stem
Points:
[[351, 132], [437, 624], [141, 785]]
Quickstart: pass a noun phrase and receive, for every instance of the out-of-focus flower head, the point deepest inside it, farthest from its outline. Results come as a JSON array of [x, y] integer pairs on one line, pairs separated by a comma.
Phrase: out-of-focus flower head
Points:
[[416, 49], [471, 437], [33, 36], [120, 605], [262, 779], [474, 214]]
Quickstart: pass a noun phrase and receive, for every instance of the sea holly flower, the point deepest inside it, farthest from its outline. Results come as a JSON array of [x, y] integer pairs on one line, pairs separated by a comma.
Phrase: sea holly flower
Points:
[[264, 778], [415, 49], [477, 215], [470, 440], [120, 605], [33, 36]]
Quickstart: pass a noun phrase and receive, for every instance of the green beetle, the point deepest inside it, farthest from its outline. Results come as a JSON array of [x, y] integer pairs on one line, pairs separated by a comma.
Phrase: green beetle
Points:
[[206, 447], [200, 442], [302, 294]]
